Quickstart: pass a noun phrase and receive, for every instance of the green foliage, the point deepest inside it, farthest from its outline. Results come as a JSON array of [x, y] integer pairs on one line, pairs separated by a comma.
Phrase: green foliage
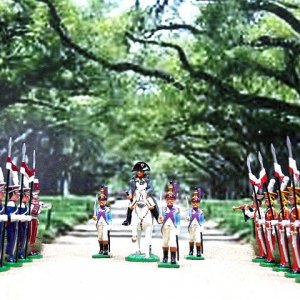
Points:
[[64, 215]]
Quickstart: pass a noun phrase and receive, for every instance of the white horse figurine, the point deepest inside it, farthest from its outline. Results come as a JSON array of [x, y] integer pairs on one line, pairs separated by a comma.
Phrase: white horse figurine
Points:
[[142, 219]]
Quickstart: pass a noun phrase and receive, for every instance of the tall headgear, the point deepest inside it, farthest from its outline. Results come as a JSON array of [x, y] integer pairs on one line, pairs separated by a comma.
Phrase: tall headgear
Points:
[[103, 193]]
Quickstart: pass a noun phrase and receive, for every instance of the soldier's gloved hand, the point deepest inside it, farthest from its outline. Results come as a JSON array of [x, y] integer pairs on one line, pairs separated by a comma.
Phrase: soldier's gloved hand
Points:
[[274, 222], [28, 218], [261, 221], [297, 223], [160, 219], [187, 218], [285, 223], [3, 218], [288, 232], [14, 218], [22, 218]]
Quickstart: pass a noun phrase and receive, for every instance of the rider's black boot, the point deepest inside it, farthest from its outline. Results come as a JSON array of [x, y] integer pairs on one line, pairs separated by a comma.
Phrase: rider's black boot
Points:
[[128, 217]]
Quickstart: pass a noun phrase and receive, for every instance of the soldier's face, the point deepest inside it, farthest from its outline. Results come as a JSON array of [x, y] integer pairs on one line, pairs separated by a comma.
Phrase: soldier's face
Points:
[[195, 204], [2, 193], [170, 201], [15, 196], [102, 202], [140, 174], [25, 198]]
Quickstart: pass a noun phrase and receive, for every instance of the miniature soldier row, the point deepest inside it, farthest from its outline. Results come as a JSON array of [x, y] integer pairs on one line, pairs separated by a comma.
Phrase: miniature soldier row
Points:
[[282, 226], [19, 222], [142, 203]]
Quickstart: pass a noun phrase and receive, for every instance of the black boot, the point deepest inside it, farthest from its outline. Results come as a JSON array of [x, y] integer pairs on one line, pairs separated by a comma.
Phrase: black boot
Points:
[[105, 249], [191, 249], [128, 217], [155, 213], [101, 248], [173, 257], [165, 258], [198, 251]]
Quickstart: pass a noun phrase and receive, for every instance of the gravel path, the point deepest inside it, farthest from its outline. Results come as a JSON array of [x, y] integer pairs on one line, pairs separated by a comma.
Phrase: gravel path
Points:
[[67, 271]]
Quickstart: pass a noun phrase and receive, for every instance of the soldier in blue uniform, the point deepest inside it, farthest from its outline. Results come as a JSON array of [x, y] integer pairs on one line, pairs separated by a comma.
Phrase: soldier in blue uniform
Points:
[[170, 220], [13, 218], [140, 178], [24, 219], [102, 215], [3, 216], [196, 220]]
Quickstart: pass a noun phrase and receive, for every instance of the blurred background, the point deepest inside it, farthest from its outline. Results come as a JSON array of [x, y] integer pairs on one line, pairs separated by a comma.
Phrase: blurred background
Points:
[[190, 87]]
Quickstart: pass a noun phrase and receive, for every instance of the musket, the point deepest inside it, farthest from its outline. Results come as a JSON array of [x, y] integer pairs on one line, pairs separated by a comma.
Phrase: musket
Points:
[[269, 200], [281, 205], [20, 203], [241, 207], [5, 204], [177, 245], [257, 206], [29, 205], [291, 171]]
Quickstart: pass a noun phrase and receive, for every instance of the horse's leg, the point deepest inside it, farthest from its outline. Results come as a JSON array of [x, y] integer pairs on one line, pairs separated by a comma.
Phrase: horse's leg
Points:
[[148, 233], [139, 236]]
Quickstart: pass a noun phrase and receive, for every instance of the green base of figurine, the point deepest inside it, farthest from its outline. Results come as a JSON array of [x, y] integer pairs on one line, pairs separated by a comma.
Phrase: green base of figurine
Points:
[[258, 259], [168, 265], [35, 256], [292, 275], [141, 258], [192, 257], [14, 264], [25, 260], [4, 268], [267, 264], [297, 279], [102, 256], [280, 269]]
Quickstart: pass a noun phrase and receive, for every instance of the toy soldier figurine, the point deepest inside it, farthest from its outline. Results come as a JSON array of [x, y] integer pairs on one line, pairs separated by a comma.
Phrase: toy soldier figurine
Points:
[[270, 222], [283, 222], [23, 225], [102, 215], [259, 217], [170, 220], [13, 218], [196, 220], [294, 232], [3, 216], [35, 210], [140, 181]]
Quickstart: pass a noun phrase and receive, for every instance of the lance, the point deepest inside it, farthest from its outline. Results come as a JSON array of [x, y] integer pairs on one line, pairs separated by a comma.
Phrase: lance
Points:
[[268, 195], [20, 203], [257, 206], [291, 171], [5, 203], [281, 203], [30, 200]]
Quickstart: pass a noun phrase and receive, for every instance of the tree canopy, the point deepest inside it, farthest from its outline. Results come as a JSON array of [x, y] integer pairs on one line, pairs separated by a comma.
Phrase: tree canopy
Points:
[[95, 88]]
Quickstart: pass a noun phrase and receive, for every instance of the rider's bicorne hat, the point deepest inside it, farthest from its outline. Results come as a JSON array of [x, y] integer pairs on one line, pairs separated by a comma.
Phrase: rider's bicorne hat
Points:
[[141, 166]]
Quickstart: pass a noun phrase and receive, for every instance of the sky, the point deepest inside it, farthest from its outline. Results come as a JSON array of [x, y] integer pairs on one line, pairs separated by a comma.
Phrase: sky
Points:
[[187, 10]]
